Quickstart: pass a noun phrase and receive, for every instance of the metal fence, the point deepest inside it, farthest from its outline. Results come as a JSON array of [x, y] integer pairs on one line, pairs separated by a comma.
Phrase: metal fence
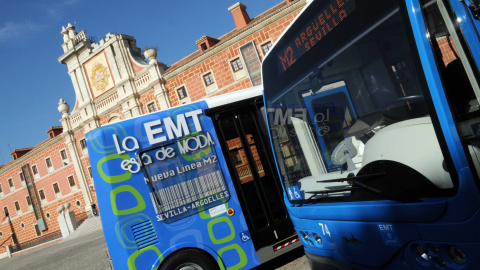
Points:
[[37, 241], [46, 237]]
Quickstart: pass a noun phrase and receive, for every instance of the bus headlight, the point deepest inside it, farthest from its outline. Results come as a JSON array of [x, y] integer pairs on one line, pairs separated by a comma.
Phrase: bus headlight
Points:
[[317, 238], [422, 253], [457, 255], [440, 262]]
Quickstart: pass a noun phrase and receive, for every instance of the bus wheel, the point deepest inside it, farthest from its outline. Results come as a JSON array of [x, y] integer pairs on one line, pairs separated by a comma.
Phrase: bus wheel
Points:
[[189, 259]]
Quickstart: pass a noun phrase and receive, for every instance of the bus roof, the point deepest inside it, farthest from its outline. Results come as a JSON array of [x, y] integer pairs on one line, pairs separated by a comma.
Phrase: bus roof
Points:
[[234, 96], [217, 101]]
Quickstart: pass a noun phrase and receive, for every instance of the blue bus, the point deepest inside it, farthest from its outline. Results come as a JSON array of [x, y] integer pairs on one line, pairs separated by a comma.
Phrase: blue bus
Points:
[[191, 187], [374, 119]]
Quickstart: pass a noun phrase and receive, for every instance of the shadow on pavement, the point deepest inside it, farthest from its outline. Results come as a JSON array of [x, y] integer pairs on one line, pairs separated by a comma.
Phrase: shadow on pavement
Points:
[[282, 260]]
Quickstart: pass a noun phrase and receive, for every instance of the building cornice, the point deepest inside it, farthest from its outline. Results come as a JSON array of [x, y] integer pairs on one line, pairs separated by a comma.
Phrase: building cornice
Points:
[[243, 33], [32, 153], [97, 47]]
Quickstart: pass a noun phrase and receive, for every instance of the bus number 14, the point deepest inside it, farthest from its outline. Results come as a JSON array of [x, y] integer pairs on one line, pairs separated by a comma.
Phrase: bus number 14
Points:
[[325, 230]]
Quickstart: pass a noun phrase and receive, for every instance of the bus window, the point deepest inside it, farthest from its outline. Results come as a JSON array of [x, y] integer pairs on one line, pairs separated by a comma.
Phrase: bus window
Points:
[[332, 115], [358, 106], [183, 185], [393, 164], [256, 181], [459, 77]]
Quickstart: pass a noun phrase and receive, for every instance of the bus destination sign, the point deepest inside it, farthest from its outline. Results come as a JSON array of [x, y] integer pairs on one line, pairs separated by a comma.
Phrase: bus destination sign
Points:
[[329, 17]]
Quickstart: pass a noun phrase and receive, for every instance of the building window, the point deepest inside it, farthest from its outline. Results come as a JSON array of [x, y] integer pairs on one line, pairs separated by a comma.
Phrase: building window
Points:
[[152, 107], [1, 190], [90, 172], [252, 62], [5, 211], [41, 194], [236, 65], [48, 161], [63, 154], [208, 79], [37, 231], [266, 47], [11, 185], [29, 202], [56, 190], [204, 46], [34, 169], [83, 144], [17, 207], [71, 181], [182, 92], [22, 179]]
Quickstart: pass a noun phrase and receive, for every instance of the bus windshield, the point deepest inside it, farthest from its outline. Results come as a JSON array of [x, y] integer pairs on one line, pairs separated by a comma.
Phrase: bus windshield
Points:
[[347, 107]]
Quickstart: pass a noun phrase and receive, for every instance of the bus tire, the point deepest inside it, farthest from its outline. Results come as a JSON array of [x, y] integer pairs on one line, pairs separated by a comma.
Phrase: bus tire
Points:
[[189, 259]]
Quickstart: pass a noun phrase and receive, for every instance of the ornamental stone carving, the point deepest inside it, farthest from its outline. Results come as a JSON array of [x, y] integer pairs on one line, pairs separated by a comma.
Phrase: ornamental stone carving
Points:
[[63, 107]]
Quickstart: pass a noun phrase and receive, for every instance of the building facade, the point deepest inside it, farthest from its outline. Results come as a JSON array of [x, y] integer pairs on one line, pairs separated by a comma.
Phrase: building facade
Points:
[[113, 80]]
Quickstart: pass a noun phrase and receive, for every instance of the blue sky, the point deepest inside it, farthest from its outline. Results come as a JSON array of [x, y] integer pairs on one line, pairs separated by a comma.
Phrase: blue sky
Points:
[[32, 80]]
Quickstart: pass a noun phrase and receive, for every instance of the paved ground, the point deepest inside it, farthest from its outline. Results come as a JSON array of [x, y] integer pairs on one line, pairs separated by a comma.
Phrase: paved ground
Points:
[[68, 254], [88, 242], [295, 260]]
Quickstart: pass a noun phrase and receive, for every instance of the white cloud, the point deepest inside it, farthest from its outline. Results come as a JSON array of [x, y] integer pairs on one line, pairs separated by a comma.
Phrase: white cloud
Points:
[[19, 31], [16, 31], [56, 9]]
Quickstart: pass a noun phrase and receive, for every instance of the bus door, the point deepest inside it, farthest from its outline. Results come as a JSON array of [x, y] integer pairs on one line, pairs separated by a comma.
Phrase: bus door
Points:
[[251, 166], [331, 110]]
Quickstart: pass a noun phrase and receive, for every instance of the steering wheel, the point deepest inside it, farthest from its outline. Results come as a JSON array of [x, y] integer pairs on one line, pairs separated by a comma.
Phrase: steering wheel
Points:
[[394, 114]]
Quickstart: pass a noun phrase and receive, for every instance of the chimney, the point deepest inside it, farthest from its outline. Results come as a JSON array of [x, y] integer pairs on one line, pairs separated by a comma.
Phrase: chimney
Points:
[[240, 15], [17, 153], [54, 132], [206, 42]]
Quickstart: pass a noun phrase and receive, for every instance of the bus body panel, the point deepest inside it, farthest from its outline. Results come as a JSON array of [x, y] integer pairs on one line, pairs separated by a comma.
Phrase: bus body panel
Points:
[[133, 234], [434, 232], [467, 186]]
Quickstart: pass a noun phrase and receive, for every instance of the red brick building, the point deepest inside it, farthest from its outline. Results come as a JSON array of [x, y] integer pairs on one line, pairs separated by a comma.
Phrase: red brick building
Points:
[[114, 80]]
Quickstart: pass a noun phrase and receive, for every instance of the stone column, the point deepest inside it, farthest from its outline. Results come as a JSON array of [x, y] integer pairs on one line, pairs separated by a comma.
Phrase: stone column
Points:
[[76, 161]]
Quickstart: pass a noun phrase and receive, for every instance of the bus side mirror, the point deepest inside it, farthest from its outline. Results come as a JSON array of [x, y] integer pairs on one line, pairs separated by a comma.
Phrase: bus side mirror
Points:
[[474, 8]]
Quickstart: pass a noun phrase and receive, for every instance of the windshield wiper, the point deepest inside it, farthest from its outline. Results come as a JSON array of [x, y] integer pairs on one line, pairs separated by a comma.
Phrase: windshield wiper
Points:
[[328, 191], [357, 183]]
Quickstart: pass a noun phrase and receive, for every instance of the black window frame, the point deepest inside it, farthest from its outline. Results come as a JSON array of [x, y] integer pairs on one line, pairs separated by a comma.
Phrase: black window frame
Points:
[[236, 64], [266, 47], [182, 92], [83, 144], [63, 154], [71, 180], [10, 183], [208, 79], [34, 169], [57, 187], [41, 194], [152, 107], [48, 162], [16, 203]]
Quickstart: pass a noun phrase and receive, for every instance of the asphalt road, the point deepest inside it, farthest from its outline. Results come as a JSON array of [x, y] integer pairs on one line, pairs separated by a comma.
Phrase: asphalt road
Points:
[[87, 251]]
